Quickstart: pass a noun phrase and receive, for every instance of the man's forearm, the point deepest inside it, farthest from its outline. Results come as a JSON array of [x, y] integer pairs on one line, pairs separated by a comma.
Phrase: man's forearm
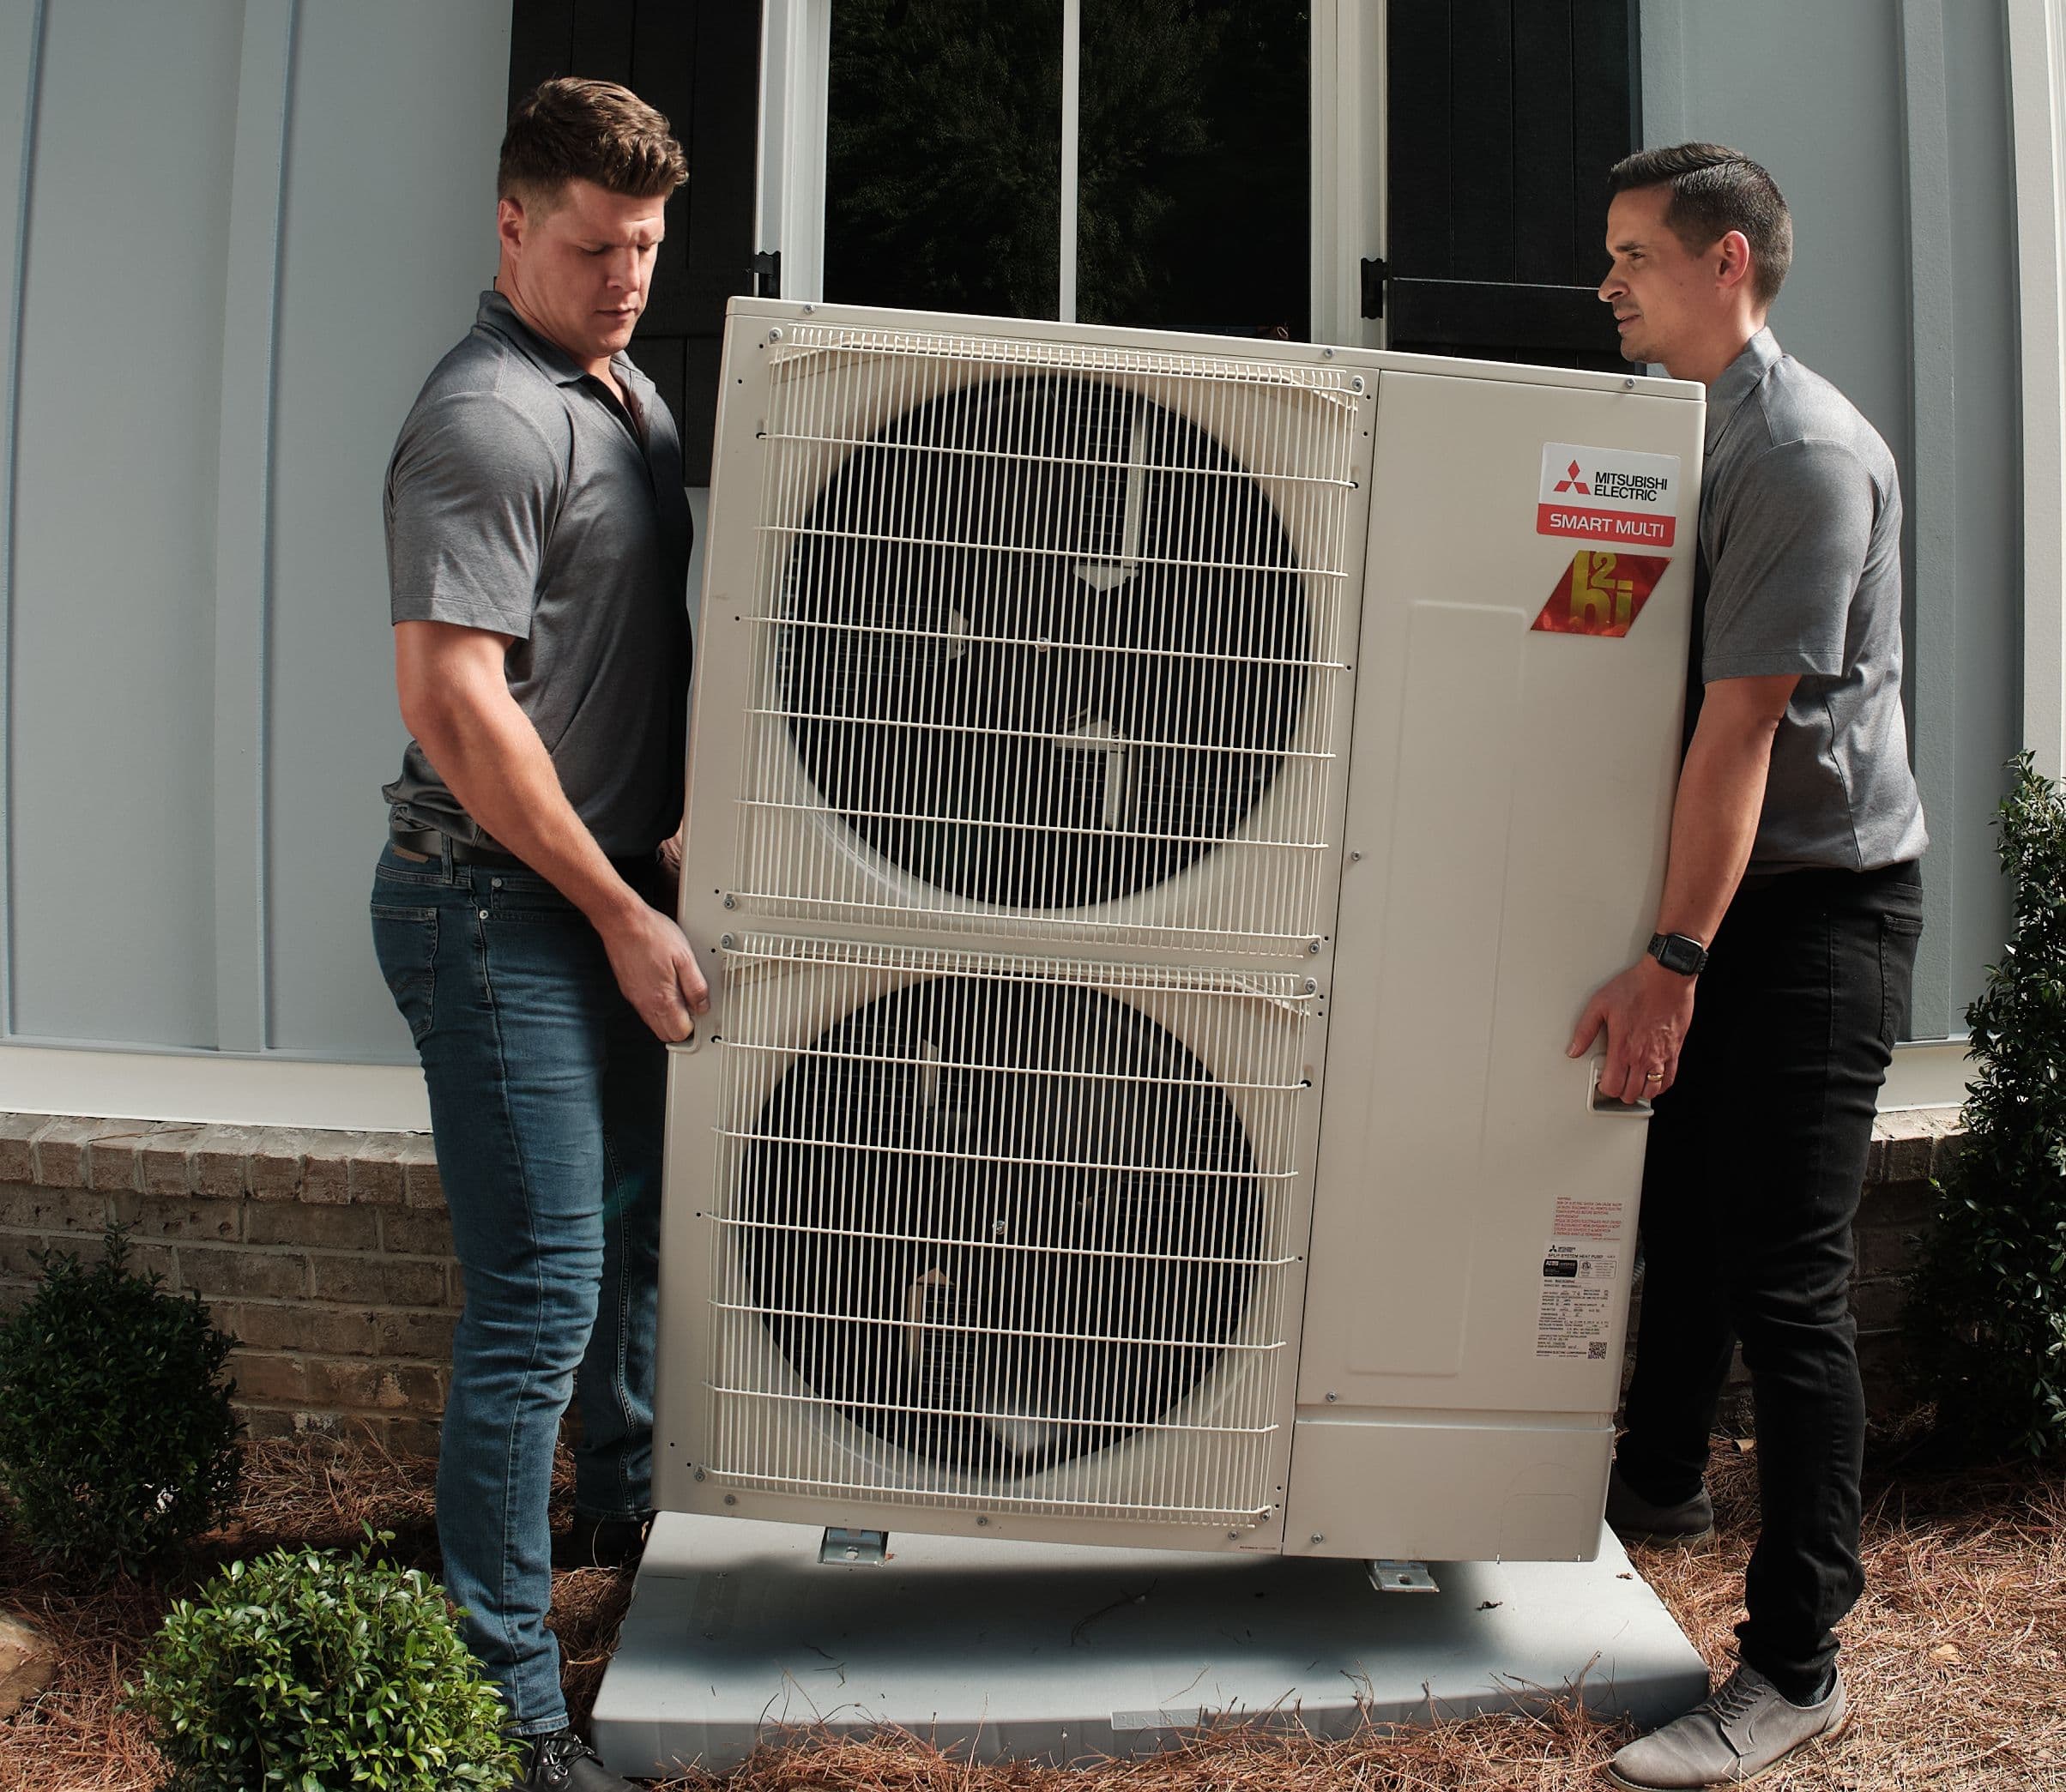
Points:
[[1721, 793], [490, 756]]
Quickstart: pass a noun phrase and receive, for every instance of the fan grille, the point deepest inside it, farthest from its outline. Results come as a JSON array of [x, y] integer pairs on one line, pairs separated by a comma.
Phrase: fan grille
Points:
[[1043, 626], [984, 1220]]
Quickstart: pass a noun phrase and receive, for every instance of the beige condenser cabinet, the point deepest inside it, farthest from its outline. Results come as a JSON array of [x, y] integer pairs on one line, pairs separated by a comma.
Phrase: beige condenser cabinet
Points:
[[1159, 806]]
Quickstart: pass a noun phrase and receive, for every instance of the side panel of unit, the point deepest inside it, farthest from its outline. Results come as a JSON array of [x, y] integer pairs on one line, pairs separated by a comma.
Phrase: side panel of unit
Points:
[[1509, 805]]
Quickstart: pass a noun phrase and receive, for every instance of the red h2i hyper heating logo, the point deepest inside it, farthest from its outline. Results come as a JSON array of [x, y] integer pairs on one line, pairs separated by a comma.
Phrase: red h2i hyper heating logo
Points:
[[1601, 593], [1611, 496]]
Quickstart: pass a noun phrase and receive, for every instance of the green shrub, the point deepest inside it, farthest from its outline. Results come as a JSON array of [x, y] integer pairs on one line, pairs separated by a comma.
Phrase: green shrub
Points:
[[311, 1669], [1987, 1302], [117, 1440]]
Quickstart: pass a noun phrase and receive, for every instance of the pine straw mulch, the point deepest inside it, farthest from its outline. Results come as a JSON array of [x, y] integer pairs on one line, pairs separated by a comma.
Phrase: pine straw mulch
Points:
[[1956, 1658]]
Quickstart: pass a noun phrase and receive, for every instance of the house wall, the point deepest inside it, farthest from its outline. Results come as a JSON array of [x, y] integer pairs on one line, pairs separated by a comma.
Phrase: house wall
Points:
[[1887, 127], [244, 234], [198, 707]]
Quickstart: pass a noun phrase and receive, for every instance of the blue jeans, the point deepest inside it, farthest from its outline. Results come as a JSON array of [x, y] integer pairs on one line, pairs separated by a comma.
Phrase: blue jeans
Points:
[[547, 1099], [1749, 1190]]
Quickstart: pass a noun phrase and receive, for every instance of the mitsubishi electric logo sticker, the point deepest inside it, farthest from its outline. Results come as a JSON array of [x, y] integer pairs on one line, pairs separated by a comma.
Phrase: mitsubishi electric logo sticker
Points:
[[1608, 495]]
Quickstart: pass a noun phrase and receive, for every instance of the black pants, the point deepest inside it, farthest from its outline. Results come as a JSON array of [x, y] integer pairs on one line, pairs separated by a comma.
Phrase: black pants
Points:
[[1749, 1189]]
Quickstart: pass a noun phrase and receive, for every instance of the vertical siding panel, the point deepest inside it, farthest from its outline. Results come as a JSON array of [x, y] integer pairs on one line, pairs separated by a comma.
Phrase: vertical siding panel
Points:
[[243, 521], [389, 237], [21, 51], [1931, 482], [114, 595]]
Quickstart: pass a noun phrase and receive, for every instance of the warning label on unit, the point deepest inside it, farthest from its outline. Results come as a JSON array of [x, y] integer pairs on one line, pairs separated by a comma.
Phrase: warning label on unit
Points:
[[1577, 1314], [1587, 1219], [1608, 495]]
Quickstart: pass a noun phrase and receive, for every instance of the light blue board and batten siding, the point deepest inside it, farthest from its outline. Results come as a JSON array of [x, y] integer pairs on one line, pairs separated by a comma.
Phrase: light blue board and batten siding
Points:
[[1886, 123], [237, 238], [233, 238]]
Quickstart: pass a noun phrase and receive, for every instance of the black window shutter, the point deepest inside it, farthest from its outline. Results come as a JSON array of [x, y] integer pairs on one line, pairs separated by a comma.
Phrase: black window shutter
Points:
[[698, 61], [1504, 117]]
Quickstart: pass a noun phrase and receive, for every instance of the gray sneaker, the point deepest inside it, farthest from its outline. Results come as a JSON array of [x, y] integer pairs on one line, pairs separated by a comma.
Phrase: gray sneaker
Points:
[[1634, 1519], [1734, 1735]]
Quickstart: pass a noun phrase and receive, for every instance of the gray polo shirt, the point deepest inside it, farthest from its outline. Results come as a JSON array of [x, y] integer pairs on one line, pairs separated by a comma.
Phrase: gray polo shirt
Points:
[[522, 497], [1801, 544]]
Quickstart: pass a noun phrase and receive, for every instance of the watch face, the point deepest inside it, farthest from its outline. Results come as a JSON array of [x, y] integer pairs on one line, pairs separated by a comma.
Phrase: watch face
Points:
[[1680, 955]]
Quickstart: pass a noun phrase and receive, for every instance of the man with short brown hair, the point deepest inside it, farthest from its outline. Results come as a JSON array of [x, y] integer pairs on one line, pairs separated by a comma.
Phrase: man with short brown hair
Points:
[[1792, 901], [538, 539]]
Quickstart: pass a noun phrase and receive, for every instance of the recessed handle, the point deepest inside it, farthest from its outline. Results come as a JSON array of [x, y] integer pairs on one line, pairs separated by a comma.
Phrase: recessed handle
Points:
[[1613, 1105]]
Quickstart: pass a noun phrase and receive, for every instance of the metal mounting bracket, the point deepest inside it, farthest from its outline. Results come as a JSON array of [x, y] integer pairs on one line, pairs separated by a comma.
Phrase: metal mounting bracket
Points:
[[862, 1546], [1390, 1577]]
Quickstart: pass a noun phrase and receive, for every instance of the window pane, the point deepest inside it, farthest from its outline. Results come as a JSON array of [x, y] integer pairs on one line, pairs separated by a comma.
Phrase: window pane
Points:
[[943, 155], [1194, 170]]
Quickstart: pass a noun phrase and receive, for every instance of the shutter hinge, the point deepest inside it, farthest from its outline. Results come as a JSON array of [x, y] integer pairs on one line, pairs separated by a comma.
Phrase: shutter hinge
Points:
[[767, 273], [1375, 274]]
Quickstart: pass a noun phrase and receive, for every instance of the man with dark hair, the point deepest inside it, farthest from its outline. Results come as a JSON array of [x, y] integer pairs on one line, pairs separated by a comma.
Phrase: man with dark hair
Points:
[[538, 539], [1792, 906]]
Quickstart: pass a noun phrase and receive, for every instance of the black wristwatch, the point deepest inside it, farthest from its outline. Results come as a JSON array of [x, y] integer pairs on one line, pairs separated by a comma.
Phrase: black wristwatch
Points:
[[1679, 952]]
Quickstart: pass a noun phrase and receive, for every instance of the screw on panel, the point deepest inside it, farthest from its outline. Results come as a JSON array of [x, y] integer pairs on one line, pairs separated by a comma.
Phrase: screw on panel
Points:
[[1334, 1396], [724, 942], [1234, 1536], [1628, 383], [774, 334], [1320, 1536], [1311, 984], [731, 1500], [1356, 384], [731, 901], [983, 1521], [699, 1474], [1313, 949], [1356, 858]]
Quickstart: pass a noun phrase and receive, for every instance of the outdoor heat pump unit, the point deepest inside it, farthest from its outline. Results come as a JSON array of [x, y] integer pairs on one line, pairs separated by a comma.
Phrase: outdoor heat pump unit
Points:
[[1159, 806]]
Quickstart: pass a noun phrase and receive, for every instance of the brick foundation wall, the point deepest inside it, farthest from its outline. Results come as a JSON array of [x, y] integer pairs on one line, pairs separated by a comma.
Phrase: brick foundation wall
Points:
[[329, 1254]]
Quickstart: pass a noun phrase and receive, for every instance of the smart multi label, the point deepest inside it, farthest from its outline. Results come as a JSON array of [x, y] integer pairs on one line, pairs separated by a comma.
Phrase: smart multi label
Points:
[[1608, 495]]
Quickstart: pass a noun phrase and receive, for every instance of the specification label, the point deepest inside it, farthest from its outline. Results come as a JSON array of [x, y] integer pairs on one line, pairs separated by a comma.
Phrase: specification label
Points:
[[1577, 1314]]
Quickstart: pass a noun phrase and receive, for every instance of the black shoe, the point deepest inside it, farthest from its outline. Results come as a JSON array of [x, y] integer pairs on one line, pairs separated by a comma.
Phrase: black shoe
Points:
[[562, 1762], [1634, 1519], [593, 1542]]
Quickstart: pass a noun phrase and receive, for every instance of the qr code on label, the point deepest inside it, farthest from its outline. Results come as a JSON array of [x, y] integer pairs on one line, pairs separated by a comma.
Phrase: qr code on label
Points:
[[1597, 1351]]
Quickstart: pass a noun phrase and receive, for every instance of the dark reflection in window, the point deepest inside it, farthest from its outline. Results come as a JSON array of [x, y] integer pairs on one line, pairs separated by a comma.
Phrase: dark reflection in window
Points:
[[1194, 189], [943, 161]]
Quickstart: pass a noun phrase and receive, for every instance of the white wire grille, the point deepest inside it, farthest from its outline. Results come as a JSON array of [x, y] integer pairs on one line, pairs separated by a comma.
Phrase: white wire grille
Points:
[[1002, 1229], [1048, 638]]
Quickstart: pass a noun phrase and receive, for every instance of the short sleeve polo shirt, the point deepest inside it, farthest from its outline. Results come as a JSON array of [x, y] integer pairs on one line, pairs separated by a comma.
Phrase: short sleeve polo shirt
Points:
[[1800, 540], [524, 498]]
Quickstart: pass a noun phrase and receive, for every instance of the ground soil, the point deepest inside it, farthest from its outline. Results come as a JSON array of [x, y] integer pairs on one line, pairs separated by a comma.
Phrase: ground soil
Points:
[[1956, 1658]]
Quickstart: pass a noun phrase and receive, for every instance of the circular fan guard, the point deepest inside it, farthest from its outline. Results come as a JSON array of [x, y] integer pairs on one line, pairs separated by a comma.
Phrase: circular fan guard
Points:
[[1048, 644], [1039, 1255]]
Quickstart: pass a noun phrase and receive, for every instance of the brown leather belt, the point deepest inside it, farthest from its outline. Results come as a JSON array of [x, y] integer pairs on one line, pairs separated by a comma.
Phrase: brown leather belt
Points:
[[429, 843]]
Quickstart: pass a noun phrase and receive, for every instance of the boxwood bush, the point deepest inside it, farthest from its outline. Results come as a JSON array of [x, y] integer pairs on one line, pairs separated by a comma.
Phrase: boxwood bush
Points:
[[313, 1670], [1987, 1301], [117, 1440]]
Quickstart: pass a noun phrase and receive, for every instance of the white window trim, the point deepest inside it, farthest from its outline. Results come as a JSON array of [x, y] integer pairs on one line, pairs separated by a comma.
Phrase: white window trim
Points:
[[790, 174], [2037, 86], [1347, 170]]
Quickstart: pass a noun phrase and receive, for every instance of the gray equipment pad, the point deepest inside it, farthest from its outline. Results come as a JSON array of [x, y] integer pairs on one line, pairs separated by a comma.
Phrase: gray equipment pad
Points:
[[738, 1633]]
